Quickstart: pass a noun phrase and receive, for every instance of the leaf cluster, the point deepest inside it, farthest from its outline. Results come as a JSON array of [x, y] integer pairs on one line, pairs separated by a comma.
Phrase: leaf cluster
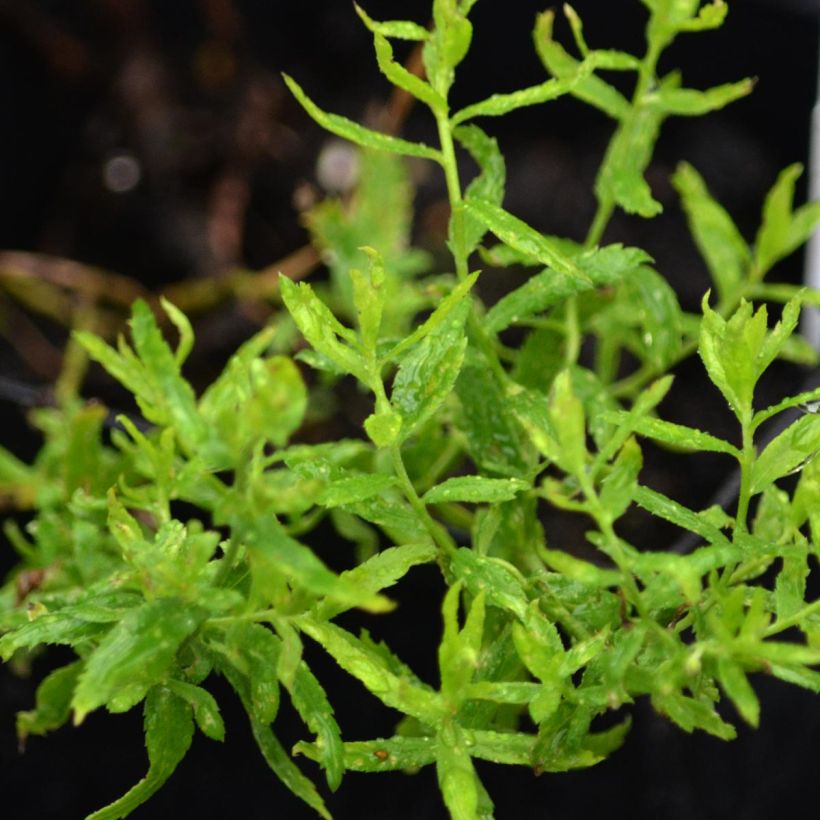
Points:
[[184, 548]]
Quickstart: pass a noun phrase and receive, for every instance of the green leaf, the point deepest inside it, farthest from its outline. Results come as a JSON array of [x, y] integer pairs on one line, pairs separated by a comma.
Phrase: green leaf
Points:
[[495, 578], [790, 587], [368, 297], [399, 29], [169, 729], [286, 770], [787, 452], [383, 754], [719, 241], [604, 266], [427, 375], [383, 428], [621, 178], [620, 484], [272, 552], [448, 43], [310, 701], [151, 372], [370, 668], [783, 230], [498, 105], [522, 237], [688, 102], [322, 329], [382, 570], [591, 89], [488, 185], [569, 423], [475, 490], [52, 704], [459, 648], [493, 436], [736, 352], [457, 777], [402, 78], [49, 628], [183, 326], [734, 682], [447, 305], [134, 655], [349, 130], [664, 507], [678, 435], [354, 488], [205, 707], [692, 714]]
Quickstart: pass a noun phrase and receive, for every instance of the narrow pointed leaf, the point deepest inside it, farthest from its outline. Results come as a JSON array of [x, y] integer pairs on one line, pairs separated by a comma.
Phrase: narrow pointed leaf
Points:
[[349, 130]]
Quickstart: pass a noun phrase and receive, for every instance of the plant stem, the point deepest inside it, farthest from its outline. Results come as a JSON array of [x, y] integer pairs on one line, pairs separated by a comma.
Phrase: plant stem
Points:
[[438, 533], [450, 166], [602, 216]]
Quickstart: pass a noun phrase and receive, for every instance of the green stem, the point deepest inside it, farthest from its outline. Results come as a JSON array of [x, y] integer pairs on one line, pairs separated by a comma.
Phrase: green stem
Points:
[[596, 230], [450, 166], [748, 456], [438, 533], [783, 624]]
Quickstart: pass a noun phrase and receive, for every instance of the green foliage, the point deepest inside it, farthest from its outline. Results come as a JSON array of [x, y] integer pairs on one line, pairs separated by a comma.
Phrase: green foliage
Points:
[[465, 446]]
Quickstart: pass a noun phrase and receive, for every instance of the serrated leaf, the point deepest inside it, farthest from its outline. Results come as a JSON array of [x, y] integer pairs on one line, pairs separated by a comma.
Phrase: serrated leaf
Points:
[[459, 647], [349, 130], [688, 102], [678, 435], [787, 452], [475, 490], [381, 571], [400, 29], [52, 702], [457, 777], [134, 655], [692, 714], [496, 579], [488, 185], [448, 43], [383, 754], [493, 436], [604, 267], [670, 510], [726, 253], [272, 552], [49, 628], [286, 770], [517, 234], [322, 329], [619, 485], [498, 105], [310, 701], [569, 423], [354, 488], [402, 78], [169, 729], [734, 682], [591, 89], [427, 375], [782, 229], [621, 177], [370, 668], [204, 705], [447, 305]]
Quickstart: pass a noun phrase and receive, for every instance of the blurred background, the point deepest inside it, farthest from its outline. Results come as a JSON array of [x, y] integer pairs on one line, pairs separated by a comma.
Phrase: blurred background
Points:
[[151, 147]]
